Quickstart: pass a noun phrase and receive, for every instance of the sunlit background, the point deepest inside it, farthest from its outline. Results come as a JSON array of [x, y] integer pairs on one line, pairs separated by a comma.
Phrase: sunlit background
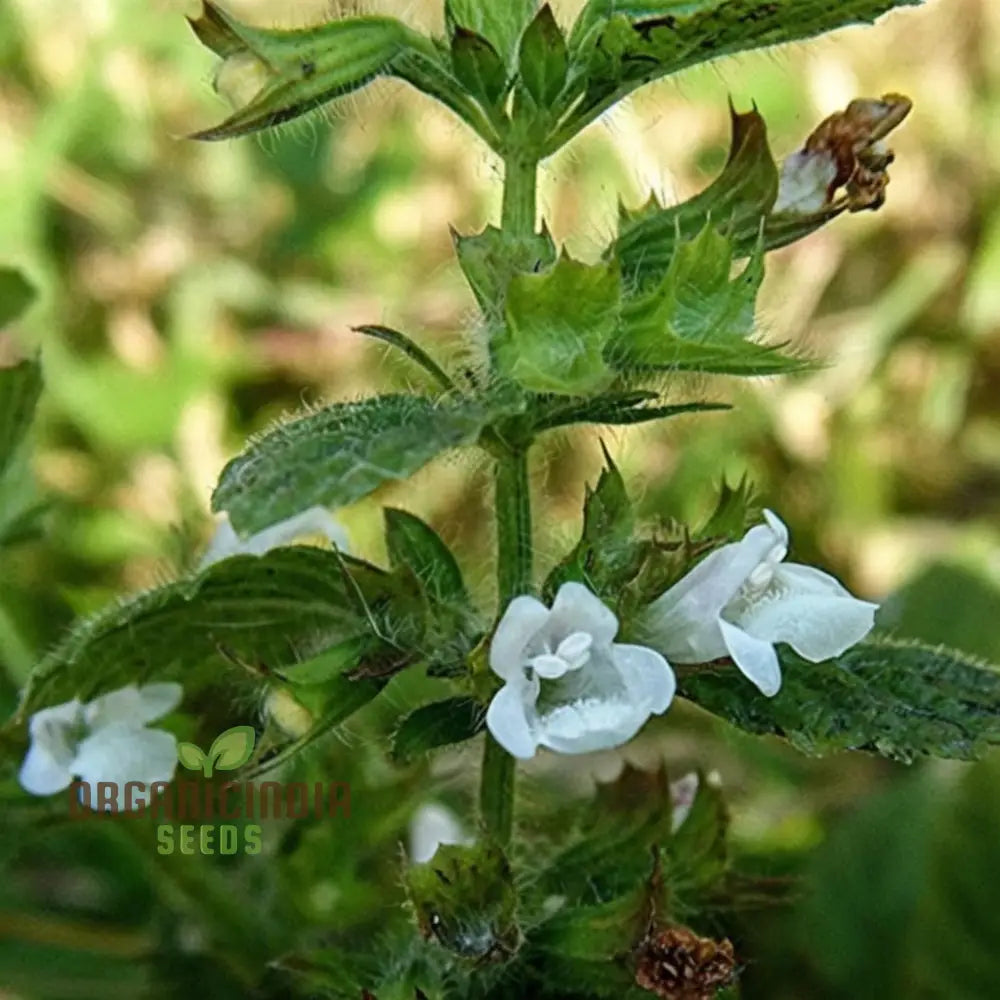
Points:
[[193, 293]]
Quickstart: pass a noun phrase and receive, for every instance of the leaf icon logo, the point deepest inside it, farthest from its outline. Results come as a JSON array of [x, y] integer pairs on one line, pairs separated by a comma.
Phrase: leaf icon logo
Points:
[[229, 750]]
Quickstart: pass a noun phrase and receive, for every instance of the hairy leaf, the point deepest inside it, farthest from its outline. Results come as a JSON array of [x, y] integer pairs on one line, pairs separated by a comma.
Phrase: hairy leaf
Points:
[[340, 454], [265, 613], [439, 724], [478, 66], [416, 545], [543, 61], [625, 45], [558, 324], [897, 699], [501, 23], [279, 75]]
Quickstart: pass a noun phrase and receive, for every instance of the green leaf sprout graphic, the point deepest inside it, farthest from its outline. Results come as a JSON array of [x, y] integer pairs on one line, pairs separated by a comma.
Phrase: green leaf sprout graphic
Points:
[[230, 750]]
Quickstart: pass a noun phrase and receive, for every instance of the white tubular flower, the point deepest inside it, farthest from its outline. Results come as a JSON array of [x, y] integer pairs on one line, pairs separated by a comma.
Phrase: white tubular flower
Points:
[[568, 685], [103, 740], [742, 599], [433, 825], [314, 521]]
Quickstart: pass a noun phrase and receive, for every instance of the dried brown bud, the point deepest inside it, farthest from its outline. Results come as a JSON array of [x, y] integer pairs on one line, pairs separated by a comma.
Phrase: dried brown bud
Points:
[[677, 964], [845, 151]]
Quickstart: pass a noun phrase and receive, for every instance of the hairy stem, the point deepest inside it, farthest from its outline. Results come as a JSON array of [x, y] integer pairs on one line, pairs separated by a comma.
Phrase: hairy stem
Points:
[[514, 557], [519, 195]]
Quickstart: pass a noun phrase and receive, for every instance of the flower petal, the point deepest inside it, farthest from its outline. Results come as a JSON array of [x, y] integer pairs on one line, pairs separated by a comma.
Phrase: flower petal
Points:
[[584, 727], [46, 767], [681, 619], [647, 675], [809, 580], [521, 622], [156, 700], [121, 705], [121, 753], [433, 825], [756, 659], [312, 521], [577, 609], [816, 627], [507, 720]]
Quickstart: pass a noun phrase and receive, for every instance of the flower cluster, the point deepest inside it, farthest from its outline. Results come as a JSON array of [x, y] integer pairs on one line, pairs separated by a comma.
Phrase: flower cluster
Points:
[[570, 687]]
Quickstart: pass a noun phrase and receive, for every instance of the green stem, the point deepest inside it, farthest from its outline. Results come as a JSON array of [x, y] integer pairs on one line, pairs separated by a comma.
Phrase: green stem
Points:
[[519, 196], [514, 573]]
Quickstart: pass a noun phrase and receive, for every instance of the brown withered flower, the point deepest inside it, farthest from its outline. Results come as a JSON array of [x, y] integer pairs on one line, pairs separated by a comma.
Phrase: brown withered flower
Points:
[[677, 964], [846, 151]]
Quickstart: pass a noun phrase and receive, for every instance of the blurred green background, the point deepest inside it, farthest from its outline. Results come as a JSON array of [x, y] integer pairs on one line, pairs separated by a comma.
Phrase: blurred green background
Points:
[[191, 294]]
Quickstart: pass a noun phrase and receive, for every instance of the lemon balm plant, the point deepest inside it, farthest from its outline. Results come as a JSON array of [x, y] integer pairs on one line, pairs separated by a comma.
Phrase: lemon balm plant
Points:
[[623, 899]]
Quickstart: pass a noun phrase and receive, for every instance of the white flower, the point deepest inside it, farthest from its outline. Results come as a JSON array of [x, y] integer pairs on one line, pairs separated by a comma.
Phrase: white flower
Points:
[[314, 521], [568, 685], [683, 792], [806, 181], [742, 599], [433, 825], [103, 740]]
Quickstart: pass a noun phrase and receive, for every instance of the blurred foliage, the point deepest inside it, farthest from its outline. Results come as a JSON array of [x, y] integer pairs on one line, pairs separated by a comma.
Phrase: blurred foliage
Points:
[[188, 294]]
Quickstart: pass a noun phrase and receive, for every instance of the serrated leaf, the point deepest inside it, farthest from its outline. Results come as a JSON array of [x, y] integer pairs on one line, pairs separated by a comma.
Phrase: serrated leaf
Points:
[[901, 700], [543, 59], [557, 326], [614, 409], [412, 543], [282, 74], [634, 43], [20, 387], [233, 748], [266, 613], [501, 23], [491, 258], [190, 756], [439, 724], [16, 295], [697, 318], [340, 454], [736, 203], [478, 66]]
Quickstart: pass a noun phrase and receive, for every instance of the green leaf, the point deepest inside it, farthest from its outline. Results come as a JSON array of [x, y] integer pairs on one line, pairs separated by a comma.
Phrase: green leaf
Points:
[[901, 700], [620, 409], [500, 23], [737, 202], [491, 258], [543, 60], [233, 748], [412, 350], [464, 898], [416, 545], [20, 387], [557, 325], [630, 44], [697, 318], [191, 756], [331, 663], [16, 294], [439, 724], [478, 67], [262, 612], [340, 454], [282, 74]]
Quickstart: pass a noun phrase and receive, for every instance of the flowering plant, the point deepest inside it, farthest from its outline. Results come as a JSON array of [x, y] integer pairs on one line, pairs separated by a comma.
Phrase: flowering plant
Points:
[[628, 896]]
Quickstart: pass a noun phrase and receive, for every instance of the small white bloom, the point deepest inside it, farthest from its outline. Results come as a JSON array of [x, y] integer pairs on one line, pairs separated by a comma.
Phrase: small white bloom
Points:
[[806, 180], [569, 686], [103, 740], [313, 521], [433, 825], [742, 599]]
